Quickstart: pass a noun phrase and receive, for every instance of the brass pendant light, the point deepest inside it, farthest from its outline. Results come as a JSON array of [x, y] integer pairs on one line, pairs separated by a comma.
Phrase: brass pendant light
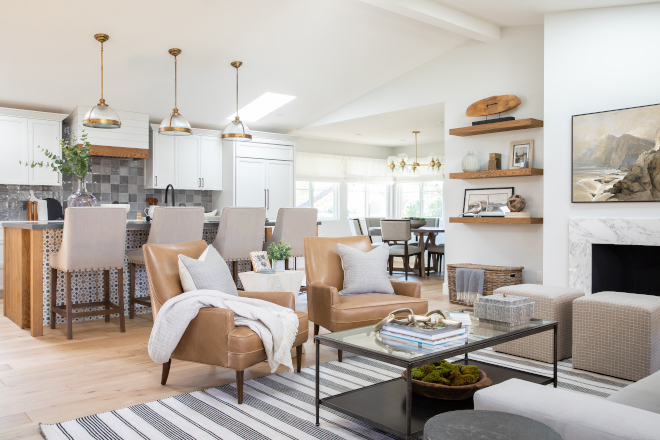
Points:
[[175, 124], [236, 128], [102, 115], [399, 164]]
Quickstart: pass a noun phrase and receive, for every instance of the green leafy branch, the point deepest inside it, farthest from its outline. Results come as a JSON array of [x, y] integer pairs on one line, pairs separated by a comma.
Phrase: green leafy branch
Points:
[[74, 159], [279, 251]]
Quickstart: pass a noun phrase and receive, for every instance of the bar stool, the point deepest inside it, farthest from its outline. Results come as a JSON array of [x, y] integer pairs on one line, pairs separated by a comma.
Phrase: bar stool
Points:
[[171, 225], [292, 226], [395, 231], [93, 239], [240, 232]]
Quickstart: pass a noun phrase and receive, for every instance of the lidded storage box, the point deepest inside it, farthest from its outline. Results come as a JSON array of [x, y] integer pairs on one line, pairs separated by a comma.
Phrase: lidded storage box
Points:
[[504, 310]]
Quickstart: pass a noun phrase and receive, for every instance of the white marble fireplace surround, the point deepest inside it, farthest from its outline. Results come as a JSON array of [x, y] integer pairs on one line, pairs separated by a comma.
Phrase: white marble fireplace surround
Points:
[[583, 232]]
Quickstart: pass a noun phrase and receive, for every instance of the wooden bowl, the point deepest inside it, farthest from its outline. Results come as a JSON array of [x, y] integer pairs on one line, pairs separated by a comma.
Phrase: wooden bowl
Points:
[[445, 392], [417, 223]]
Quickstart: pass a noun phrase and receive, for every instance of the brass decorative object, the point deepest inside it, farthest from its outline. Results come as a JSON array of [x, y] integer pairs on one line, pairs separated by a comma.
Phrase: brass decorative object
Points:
[[102, 115], [236, 129], [399, 165], [175, 124], [494, 162], [427, 321]]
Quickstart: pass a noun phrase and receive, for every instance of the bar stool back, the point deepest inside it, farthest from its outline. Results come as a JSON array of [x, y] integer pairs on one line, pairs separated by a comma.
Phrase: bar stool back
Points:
[[93, 239], [241, 231], [292, 226], [171, 225]]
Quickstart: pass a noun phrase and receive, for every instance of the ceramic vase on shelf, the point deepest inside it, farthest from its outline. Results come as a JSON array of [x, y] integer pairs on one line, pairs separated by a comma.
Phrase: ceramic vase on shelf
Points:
[[278, 265], [81, 197], [471, 162]]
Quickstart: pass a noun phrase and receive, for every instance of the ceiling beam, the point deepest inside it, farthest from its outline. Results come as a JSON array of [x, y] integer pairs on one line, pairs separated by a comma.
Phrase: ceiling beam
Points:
[[443, 17]]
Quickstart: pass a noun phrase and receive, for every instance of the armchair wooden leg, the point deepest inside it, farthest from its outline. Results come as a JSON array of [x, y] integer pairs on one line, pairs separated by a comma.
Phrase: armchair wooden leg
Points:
[[299, 357], [239, 386], [316, 329], [339, 355], [166, 372]]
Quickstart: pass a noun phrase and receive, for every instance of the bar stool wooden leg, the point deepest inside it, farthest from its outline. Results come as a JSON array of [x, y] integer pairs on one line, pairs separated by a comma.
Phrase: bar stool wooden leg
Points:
[[106, 290], [120, 299], [53, 296], [69, 307], [286, 264], [131, 290], [235, 271]]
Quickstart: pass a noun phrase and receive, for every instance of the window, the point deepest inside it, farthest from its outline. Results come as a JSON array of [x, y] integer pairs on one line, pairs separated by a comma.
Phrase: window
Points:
[[420, 199], [319, 195], [366, 200]]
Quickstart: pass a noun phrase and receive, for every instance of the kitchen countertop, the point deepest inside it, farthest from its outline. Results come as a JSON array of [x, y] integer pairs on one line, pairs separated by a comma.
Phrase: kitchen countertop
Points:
[[131, 225]]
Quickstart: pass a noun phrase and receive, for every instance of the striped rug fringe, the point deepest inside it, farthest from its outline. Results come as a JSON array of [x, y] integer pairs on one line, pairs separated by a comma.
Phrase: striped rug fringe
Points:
[[281, 406]]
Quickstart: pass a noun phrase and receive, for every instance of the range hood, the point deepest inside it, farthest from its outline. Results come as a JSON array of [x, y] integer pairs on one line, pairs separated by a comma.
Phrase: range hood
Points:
[[129, 140]]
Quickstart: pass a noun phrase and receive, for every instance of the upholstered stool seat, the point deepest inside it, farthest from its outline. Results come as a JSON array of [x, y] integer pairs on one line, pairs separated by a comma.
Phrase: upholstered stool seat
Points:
[[552, 304], [617, 334]]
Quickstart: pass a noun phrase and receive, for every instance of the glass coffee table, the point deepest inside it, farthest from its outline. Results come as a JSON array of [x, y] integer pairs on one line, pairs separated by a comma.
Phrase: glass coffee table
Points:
[[390, 405]]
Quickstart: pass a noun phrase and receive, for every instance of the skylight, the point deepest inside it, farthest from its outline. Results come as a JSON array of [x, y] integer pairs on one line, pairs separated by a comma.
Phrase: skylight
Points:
[[263, 105]]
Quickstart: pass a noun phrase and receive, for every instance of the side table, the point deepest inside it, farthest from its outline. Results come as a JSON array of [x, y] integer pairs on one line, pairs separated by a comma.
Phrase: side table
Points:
[[286, 281]]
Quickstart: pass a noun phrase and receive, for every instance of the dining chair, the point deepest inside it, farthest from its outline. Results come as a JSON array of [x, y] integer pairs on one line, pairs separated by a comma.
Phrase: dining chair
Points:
[[93, 239], [436, 253], [396, 233], [357, 230], [170, 225], [373, 225]]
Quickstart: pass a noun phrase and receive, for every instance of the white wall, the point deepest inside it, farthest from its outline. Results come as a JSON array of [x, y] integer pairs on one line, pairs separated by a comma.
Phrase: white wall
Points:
[[595, 60], [423, 150]]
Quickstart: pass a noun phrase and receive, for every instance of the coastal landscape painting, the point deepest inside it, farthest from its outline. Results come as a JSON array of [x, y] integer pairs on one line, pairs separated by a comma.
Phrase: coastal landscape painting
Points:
[[616, 156]]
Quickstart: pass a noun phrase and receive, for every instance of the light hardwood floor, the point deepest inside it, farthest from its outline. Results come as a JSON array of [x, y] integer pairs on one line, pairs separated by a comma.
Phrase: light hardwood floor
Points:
[[52, 379]]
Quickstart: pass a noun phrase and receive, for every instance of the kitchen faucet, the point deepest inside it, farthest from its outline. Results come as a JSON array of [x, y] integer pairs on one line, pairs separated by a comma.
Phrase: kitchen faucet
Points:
[[167, 189]]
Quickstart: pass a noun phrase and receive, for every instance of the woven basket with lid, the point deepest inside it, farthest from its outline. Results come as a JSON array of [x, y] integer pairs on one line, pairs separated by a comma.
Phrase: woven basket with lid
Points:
[[494, 278]]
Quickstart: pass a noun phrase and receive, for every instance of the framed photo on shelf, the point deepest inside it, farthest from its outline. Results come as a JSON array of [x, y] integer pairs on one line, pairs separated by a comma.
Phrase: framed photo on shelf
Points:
[[522, 154], [486, 202], [259, 261]]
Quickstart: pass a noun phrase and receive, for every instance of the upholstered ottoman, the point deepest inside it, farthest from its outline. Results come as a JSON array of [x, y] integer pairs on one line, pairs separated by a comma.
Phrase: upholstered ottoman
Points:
[[552, 304], [617, 334]]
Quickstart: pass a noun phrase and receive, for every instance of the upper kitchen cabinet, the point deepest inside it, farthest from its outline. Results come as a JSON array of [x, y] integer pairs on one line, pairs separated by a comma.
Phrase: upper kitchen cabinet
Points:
[[129, 140], [187, 162], [260, 173], [22, 132]]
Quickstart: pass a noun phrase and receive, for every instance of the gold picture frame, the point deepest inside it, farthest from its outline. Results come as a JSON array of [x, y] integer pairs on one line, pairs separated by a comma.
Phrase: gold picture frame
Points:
[[259, 261], [522, 154]]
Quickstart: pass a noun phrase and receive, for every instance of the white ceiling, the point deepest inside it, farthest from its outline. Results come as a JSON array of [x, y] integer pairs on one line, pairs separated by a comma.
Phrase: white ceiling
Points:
[[326, 53], [525, 12], [392, 129]]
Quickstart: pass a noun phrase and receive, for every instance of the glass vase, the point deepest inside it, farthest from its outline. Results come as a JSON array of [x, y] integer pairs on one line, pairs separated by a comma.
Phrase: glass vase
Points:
[[471, 162], [81, 197]]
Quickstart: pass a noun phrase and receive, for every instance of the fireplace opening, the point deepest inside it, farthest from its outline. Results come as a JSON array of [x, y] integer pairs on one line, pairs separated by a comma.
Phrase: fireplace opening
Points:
[[625, 268]]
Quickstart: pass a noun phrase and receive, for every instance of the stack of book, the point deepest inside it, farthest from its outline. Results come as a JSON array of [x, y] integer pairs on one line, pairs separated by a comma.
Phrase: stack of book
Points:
[[517, 214], [427, 338]]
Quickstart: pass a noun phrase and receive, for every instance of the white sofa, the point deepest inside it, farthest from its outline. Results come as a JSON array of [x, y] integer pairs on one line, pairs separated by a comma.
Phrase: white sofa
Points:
[[632, 413]]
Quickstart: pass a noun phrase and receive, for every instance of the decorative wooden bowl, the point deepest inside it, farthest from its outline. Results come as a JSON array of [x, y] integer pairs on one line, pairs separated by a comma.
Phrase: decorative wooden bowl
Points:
[[445, 392], [417, 223]]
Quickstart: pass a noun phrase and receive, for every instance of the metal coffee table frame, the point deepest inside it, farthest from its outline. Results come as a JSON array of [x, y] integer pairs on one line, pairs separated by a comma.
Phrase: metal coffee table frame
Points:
[[352, 403]]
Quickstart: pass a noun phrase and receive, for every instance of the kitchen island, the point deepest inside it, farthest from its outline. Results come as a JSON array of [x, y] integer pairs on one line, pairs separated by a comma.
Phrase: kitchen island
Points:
[[28, 246]]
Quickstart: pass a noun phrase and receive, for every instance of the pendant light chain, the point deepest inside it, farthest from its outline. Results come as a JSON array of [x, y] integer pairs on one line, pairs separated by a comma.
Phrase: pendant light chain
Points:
[[237, 93], [102, 71], [175, 83]]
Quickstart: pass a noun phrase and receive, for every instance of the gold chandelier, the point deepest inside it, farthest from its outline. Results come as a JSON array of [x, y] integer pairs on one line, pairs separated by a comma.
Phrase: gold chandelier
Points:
[[236, 129], [175, 124], [102, 115], [399, 164]]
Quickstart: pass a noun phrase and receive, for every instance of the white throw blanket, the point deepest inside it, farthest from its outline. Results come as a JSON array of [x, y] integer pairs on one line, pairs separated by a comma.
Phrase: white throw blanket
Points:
[[277, 326]]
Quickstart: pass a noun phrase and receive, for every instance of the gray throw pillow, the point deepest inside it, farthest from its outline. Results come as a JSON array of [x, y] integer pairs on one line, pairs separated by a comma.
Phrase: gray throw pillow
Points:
[[365, 272], [210, 272]]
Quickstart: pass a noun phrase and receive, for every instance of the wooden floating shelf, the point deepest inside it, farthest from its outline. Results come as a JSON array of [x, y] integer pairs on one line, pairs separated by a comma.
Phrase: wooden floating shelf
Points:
[[496, 127], [498, 220], [516, 172]]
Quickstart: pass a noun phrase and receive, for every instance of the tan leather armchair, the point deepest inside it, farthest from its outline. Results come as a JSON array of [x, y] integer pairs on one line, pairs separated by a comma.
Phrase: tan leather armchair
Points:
[[211, 338], [325, 278]]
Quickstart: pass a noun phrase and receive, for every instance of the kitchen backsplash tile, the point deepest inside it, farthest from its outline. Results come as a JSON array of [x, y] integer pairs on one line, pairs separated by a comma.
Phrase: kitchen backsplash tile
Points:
[[109, 179]]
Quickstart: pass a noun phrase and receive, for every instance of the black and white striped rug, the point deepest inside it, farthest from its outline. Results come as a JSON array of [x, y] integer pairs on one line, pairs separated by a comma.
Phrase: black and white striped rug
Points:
[[281, 406]]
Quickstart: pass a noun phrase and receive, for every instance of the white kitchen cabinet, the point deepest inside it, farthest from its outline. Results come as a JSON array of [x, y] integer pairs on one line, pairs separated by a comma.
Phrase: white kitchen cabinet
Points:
[[45, 134], [13, 150], [21, 133], [187, 162], [279, 186], [250, 182], [210, 163]]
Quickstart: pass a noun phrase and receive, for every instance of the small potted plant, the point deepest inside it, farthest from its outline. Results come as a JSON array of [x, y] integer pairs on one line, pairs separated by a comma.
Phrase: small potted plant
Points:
[[74, 161], [279, 253]]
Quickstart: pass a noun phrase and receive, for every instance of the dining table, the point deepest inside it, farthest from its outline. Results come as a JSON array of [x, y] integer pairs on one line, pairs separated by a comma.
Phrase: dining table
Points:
[[428, 231]]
